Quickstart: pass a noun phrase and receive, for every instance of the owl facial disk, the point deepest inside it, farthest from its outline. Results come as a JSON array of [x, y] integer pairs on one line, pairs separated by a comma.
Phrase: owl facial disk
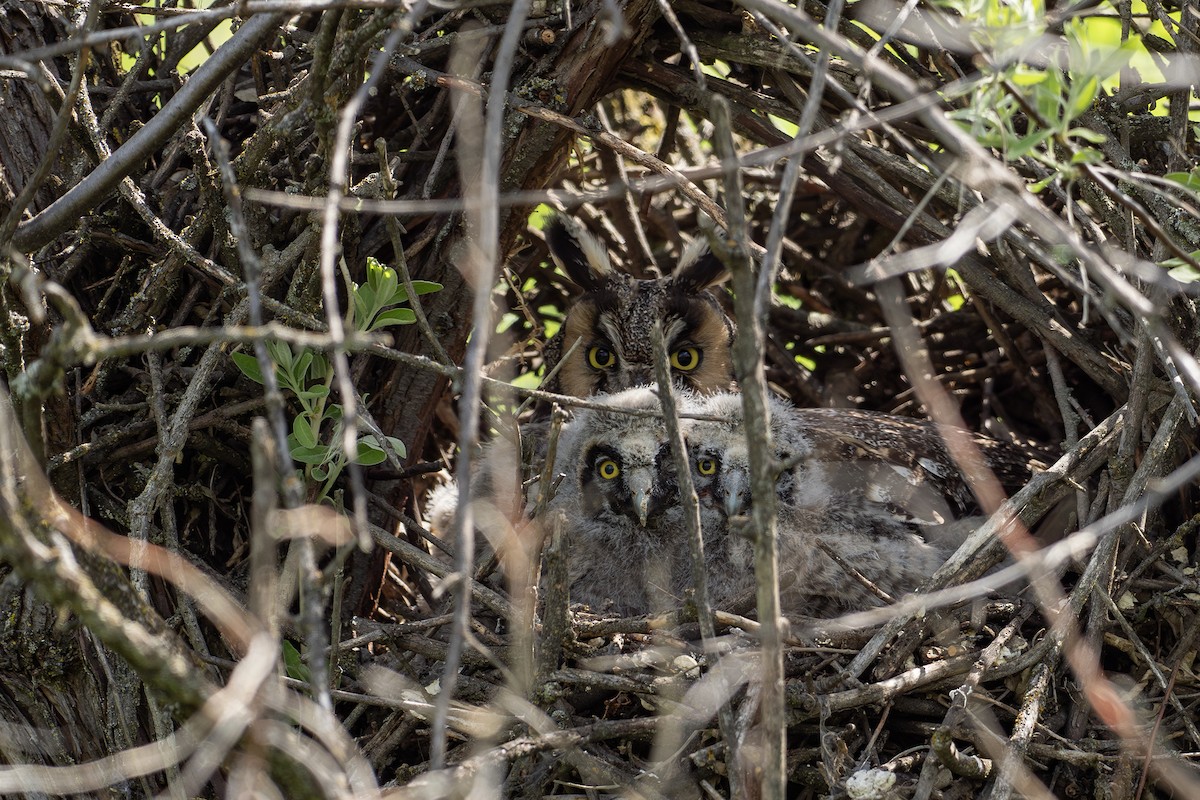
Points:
[[624, 487]]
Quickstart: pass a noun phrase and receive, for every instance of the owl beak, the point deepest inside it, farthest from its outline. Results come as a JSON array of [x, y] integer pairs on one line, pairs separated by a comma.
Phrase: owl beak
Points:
[[737, 493], [641, 487], [641, 502]]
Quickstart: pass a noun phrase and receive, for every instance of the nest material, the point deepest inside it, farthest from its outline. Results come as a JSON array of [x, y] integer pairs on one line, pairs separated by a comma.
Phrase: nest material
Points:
[[1044, 334]]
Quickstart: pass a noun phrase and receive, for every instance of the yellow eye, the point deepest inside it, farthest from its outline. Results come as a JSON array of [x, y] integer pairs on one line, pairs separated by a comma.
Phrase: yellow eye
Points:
[[685, 359], [608, 469], [601, 358], [706, 466]]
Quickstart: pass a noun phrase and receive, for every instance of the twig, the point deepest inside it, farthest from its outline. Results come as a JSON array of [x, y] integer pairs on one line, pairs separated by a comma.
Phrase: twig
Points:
[[1012, 756], [252, 269], [691, 521], [65, 211], [482, 267], [748, 367], [684, 42], [393, 226], [810, 705], [556, 618]]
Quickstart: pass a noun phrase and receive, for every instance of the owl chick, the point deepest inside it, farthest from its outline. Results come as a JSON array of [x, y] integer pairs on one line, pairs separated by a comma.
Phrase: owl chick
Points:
[[816, 508], [604, 342], [620, 498]]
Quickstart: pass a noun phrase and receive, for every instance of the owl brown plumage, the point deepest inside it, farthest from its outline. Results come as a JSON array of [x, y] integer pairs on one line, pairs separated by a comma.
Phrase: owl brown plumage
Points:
[[612, 320], [904, 463]]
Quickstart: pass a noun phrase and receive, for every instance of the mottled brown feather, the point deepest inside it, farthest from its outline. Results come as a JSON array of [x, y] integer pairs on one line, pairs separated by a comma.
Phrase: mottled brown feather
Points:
[[618, 312]]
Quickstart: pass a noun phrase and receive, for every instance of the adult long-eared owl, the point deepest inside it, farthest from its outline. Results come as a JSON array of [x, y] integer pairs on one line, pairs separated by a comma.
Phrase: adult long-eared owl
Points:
[[604, 342]]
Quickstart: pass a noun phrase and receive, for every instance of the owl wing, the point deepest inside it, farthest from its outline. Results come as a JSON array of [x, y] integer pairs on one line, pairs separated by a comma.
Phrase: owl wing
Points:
[[905, 463]]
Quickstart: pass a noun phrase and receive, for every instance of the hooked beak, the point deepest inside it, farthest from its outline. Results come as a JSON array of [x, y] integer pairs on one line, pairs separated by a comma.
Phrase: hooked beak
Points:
[[737, 492], [640, 488]]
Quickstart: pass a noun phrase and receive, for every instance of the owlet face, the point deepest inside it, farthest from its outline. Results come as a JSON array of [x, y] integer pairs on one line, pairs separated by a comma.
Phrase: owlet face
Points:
[[621, 462], [720, 455], [605, 343], [629, 479]]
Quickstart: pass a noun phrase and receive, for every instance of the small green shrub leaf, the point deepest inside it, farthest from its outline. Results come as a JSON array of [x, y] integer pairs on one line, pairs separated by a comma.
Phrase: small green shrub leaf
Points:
[[293, 664], [248, 364], [394, 316], [369, 453], [1088, 135], [1188, 180], [308, 455], [303, 431]]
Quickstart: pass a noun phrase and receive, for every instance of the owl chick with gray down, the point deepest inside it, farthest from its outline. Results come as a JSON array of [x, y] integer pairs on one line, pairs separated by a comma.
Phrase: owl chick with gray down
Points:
[[820, 502], [625, 539], [604, 343]]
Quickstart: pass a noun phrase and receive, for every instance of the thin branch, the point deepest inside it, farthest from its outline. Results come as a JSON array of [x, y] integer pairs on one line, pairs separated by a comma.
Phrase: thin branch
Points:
[[748, 367], [484, 256], [66, 210]]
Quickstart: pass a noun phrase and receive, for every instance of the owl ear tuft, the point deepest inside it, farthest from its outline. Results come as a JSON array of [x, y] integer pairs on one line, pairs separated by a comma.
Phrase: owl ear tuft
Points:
[[698, 268], [580, 254]]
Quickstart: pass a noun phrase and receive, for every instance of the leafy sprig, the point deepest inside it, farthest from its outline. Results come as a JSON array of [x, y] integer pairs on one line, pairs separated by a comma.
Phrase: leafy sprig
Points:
[[307, 375]]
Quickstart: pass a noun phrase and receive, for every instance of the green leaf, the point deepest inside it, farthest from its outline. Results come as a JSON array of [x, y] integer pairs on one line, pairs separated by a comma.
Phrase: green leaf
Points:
[[280, 353], [1087, 155], [385, 282], [362, 309], [303, 362], [420, 287], [293, 665], [303, 431], [248, 364], [395, 316], [1027, 143], [369, 454], [319, 369], [1088, 135], [1081, 96], [1027, 76], [315, 392], [1185, 273], [398, 446], [308, 455], [1188, 180], [1041, 185], [1181, 270], [1048, 101], [288, 380]]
